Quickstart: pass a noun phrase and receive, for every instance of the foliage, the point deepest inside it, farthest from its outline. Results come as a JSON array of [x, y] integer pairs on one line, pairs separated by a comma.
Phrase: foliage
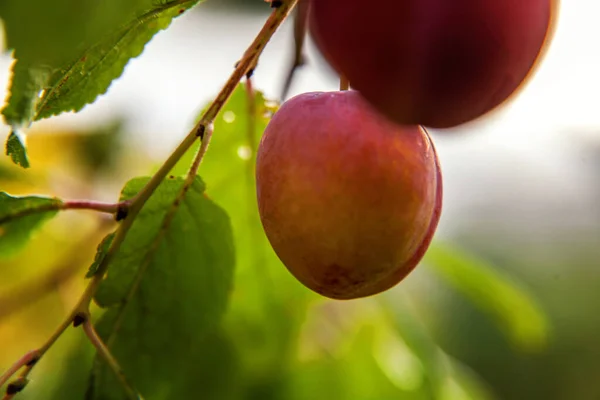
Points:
[[164, 284], [69, 68], [19, 216], [513, 310], [16, 150]]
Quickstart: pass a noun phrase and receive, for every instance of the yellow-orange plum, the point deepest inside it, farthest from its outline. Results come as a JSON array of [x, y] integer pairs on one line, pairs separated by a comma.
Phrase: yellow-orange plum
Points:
[[438, 63], [348, 199]]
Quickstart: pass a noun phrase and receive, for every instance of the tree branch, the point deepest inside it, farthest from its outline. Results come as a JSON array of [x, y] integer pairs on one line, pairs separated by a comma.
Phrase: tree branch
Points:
[[298, 59], [109, 208], [344, 83], [30, 357], [112, 362], [135, 205]]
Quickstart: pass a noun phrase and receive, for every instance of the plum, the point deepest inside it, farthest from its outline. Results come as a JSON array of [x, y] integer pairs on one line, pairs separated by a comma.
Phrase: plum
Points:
[[437, 63], [348, 199]]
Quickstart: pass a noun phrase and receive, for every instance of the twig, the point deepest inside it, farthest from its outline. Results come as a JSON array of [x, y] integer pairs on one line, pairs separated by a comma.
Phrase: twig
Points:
[[344, 83], [39, 353], [299, 36], [29, 358], [109, 208], [15, 387], [135, 205], [103, 351], [193, 171]]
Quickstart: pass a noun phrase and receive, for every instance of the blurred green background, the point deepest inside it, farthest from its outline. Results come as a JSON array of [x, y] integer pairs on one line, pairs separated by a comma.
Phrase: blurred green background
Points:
[[504, 305]]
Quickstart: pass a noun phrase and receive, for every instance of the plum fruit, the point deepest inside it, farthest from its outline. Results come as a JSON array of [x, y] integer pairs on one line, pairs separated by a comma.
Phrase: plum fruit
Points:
[[348, 199], [437, 63]]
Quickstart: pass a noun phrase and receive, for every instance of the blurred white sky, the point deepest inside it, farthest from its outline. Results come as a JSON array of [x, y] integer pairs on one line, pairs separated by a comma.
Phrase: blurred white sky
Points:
[[566, 88]]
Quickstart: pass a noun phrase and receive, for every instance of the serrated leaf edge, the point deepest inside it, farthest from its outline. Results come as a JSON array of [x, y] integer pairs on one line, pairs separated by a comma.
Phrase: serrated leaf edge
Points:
[[19, 159], [143, 19]]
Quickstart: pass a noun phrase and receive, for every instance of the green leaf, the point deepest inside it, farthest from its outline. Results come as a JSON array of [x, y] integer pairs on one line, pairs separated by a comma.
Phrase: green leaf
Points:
[[80, 82], [213, 370], [85, 47], [100, 254], [26, 85], [166, 289], [514, 310], [53, 32], [444, 376], [20, 216], [16, 150]]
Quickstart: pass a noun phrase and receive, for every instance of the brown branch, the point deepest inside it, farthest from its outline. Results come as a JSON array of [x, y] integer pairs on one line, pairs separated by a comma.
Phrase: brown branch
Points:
[[107, 356], [29, 358], [298, 59], [109, 208], [344, 83]]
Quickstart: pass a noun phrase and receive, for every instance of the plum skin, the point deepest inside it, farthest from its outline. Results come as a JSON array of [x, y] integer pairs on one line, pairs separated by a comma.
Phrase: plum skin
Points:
[[348, 199], [436, 63]]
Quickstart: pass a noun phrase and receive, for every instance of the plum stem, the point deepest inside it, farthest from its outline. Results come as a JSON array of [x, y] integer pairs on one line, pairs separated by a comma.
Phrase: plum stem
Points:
[[29, 358], [344, 83], [110, 360]]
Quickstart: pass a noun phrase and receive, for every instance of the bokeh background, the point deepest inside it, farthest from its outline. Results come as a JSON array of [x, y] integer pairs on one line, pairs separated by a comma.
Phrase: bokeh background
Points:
[[505, 306]]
